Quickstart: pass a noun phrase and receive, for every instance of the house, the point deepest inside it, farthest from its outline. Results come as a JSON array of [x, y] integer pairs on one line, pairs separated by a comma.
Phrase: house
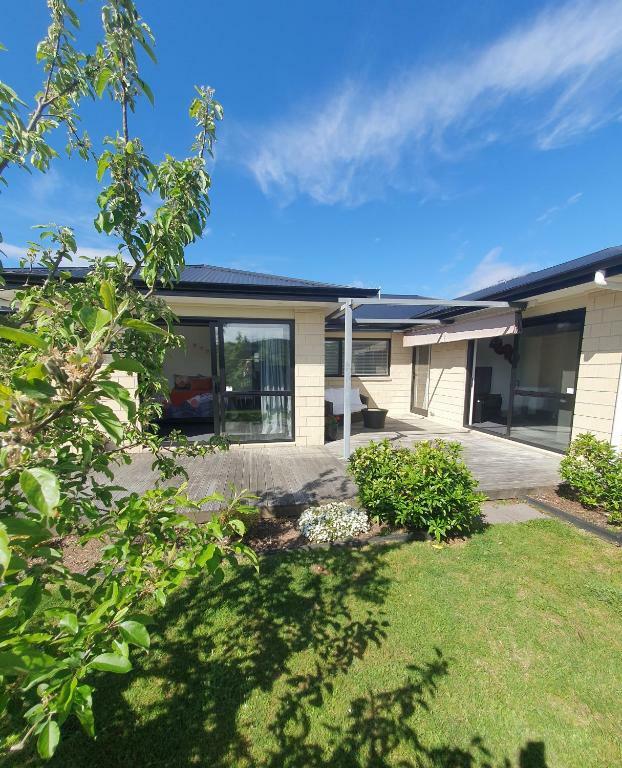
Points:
[[535, 359]]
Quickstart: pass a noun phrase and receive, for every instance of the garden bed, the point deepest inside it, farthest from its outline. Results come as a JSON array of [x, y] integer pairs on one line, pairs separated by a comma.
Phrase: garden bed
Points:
[[281, 533], [562, 498]]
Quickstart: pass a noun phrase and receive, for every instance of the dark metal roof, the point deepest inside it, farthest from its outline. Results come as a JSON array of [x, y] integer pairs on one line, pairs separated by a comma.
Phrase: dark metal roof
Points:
[[383, 312], [205, 279]]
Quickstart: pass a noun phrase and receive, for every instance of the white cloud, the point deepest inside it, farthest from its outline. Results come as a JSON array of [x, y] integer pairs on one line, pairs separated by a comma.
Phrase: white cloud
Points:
[[493, 269], [16, 252], [560, 76], [550, 212]]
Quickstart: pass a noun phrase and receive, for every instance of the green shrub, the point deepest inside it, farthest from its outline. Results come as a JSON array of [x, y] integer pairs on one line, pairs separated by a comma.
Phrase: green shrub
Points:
[[427, 487], [593, 470]]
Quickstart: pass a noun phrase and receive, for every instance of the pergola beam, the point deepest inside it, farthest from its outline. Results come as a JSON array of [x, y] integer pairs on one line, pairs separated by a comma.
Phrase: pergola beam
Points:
[[432, 303], [410, 321]]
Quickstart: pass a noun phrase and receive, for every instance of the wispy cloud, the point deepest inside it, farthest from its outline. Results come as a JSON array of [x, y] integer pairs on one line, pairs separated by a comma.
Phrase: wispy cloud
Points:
[[493, 269], [550, 212], [14, 253], [560, 74]]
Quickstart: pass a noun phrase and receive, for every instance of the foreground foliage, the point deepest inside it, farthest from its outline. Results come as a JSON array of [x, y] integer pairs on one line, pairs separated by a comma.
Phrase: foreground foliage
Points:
[[428, 486], [501, 652], [593, 470], [66, 419]]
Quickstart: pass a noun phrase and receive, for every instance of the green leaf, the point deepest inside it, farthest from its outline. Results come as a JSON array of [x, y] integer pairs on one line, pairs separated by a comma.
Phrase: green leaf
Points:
[[205, 555], [37, 389], [17, 663], [94, 319], [106, 291], [41, 488], [126, 364], [5, 549], [111, 662], [102, 81], [108, 420], [146, 90], [120, 395], [48, 739], [21, 337], [135, 633], [70, 623], [102, 166], [144, 327]]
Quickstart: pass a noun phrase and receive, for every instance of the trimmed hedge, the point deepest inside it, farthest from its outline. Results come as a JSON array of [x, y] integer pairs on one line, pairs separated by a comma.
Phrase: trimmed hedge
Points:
[[593, 470], [428, 486]]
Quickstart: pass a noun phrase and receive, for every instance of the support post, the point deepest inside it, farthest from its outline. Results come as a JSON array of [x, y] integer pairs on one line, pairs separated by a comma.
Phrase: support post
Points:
[[347, 379]]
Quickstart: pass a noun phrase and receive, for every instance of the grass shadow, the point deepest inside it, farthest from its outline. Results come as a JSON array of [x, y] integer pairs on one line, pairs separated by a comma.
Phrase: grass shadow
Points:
[[295, 631]]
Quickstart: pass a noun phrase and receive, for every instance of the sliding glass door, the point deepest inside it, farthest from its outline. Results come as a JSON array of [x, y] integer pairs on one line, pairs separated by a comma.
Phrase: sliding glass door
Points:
[[420, 380], [523, 386], [545, 379], [256, 380]]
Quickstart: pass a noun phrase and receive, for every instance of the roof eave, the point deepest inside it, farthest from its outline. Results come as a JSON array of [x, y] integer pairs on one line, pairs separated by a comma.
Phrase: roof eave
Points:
[[322, 293]]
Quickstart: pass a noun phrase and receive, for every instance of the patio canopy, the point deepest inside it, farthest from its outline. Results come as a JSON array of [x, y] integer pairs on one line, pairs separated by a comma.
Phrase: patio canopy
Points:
[[348, 303], [499, 324]]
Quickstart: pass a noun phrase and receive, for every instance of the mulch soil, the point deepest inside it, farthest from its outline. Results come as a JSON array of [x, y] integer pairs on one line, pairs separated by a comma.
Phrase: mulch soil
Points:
[[562, 498], [281, 533]]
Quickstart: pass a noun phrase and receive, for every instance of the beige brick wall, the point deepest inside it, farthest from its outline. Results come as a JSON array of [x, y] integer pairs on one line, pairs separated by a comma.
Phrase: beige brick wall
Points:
[[391, 392], [309, 377], [447, 382]]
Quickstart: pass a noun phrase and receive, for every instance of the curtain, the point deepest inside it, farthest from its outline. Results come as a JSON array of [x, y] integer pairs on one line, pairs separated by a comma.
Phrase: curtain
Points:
[[274, 368]]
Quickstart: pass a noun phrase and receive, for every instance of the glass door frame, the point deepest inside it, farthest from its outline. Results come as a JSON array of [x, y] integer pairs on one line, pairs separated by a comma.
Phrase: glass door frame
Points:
[[219, 405], [218, 372], [573, 315], [413, 408]]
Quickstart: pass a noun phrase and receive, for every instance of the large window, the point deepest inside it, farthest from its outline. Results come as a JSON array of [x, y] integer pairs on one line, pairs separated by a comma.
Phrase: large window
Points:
[[523, 387], [370, 357]]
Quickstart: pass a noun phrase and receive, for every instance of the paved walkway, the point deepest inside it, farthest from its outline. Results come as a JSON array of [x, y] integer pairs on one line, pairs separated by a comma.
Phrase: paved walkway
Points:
[[287, 478], [510, 512]]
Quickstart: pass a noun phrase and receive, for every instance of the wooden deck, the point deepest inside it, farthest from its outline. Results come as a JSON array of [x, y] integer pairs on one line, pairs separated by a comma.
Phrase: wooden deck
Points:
[[285, 478]]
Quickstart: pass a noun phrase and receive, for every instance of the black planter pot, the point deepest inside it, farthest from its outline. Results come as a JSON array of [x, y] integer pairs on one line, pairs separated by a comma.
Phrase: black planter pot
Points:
[[374, 418], [331, 429]]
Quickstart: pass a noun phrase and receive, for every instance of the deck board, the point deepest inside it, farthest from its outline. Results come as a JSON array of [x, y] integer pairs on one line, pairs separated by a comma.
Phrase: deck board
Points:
[[286, 477]]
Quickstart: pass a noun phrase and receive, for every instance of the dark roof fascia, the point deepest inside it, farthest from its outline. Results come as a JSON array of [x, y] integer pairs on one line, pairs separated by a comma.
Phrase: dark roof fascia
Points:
[[266, 292], [321, 293]]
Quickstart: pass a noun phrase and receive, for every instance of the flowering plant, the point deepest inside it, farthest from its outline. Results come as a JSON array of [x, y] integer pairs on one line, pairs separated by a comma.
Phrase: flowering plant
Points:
[[333, 521]]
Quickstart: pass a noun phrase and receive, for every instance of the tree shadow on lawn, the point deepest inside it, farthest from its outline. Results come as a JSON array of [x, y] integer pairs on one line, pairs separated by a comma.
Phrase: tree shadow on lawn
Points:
[[292, 631]]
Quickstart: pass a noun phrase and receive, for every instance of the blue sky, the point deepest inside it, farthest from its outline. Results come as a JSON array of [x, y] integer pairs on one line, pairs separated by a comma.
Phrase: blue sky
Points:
[[423, 147]]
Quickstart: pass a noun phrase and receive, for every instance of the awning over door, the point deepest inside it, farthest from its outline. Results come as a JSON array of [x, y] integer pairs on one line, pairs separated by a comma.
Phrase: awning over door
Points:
[[499, 324]]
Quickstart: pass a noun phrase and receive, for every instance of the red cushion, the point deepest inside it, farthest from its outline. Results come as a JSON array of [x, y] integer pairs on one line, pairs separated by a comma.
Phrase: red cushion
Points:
[[198, 384]]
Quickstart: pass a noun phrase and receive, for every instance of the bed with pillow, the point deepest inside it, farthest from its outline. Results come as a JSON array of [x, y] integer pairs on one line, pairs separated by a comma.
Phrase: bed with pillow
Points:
[[190, 399]]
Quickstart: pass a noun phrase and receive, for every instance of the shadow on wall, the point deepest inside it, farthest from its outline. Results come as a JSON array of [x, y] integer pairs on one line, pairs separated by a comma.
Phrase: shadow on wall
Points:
[[293, 632]]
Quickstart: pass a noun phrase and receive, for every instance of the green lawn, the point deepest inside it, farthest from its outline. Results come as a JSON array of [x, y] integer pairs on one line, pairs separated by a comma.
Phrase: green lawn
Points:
[[504, 651]]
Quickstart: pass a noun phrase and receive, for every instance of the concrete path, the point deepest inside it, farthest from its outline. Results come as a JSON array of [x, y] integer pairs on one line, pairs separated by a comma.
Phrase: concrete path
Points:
[[510, 512]]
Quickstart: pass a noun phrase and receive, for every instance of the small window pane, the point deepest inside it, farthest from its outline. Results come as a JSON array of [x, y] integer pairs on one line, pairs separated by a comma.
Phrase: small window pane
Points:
[[333, 353], [370, 358]]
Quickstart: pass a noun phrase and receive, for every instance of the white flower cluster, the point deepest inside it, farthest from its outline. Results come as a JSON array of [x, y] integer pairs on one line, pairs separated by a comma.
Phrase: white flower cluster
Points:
[[331, 522]]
